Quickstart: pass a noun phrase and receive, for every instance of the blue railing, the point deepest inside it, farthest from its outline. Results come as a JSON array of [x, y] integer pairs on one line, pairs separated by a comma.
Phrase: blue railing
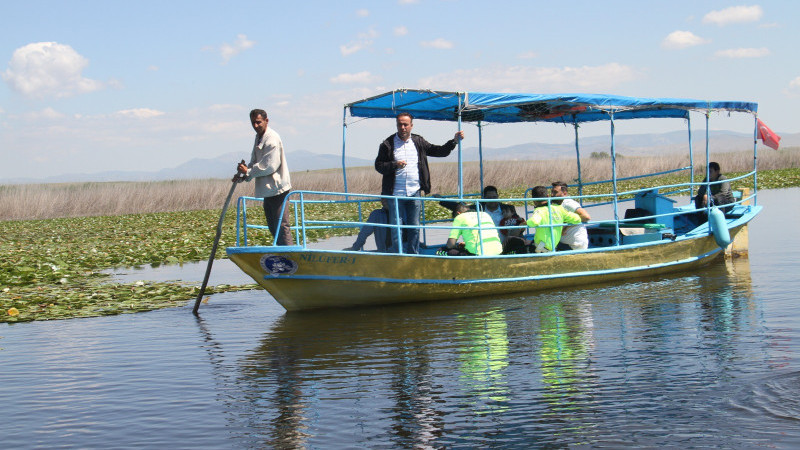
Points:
[[303, 202]]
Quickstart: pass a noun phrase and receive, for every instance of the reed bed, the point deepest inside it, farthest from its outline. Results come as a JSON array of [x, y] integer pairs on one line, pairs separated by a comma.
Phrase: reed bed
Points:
[[47, 201]]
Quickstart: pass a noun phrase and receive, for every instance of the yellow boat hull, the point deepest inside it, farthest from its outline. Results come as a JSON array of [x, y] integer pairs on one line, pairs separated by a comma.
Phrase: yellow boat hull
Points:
[[301, 279]]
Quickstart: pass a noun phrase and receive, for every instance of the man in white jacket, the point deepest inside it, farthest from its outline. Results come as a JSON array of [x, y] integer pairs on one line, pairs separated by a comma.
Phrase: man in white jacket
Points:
[[271, 174], [575, 237]]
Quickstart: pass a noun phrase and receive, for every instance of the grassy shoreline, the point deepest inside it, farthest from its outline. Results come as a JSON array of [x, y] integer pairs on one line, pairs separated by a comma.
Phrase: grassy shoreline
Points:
[[50, 201], [52, 267]]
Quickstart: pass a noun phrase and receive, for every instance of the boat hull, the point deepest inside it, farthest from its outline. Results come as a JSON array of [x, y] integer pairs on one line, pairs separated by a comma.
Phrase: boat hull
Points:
[[301, 279]]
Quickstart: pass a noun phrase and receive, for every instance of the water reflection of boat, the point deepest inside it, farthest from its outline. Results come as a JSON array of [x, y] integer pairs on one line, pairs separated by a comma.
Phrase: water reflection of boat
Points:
[[552, 367], [297, 369], [663, 237]]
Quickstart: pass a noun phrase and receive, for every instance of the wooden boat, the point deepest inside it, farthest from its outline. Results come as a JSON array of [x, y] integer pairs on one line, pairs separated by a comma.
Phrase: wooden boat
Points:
[[668, 239]]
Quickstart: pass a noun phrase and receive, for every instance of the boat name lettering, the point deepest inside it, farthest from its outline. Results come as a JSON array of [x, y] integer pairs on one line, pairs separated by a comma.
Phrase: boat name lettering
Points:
[[328, 259]]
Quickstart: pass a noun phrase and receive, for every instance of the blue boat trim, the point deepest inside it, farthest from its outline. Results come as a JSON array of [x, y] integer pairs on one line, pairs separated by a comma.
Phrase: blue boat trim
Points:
[[494, 280]]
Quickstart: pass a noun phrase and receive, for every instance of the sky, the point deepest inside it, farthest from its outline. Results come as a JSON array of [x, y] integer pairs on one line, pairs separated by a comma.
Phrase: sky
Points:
[[91, 86]]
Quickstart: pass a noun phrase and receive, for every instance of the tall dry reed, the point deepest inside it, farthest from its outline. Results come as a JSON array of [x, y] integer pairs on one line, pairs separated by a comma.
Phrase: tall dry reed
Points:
[[45, 201]]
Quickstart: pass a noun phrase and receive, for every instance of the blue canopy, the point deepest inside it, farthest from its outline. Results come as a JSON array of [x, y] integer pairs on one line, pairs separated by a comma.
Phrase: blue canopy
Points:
[[510, 107]]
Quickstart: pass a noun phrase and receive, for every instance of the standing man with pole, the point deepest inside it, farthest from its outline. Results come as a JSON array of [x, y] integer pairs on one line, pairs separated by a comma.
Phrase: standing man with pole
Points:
[[270, 172], [403, 162]]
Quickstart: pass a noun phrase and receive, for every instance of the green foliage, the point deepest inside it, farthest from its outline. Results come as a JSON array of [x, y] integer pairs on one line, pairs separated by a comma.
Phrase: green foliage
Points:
[[604, 155], [51, 269]]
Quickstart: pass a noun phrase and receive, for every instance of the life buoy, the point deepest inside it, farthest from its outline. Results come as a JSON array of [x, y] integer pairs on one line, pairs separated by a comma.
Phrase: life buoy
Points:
[[716, 219]]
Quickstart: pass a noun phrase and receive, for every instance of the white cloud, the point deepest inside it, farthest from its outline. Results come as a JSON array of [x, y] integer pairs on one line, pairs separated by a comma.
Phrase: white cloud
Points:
[[139, 113], [400, 31], [353, 78], [363, 40], [682, 39], [362, 13], [47, 113], [229, 127], [795, 84], [439, 43], [152, 68], [92, 142], [527, 55], [734, 14], [48, 69], [351, 48], [226, 107], [743, 53], [407, 2], [228, 51], [533, 79]]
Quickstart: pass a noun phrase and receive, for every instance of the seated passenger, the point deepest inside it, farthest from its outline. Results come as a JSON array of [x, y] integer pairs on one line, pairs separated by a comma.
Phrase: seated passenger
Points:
[[574, 237], [382, 235], [476, 242], [546, 238], [494, 209], [512, 238], [720, 193]]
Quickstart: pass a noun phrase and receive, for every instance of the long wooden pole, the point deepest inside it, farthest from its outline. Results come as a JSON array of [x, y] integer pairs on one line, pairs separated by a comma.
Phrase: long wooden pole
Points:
[[236, 179]]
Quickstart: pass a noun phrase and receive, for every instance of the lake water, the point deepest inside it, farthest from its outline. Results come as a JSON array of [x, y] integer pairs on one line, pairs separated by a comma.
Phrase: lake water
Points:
[[688, 360]]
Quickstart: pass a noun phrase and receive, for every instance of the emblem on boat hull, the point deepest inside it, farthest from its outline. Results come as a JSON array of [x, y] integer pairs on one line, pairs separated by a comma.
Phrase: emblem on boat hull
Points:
[[278, 265]]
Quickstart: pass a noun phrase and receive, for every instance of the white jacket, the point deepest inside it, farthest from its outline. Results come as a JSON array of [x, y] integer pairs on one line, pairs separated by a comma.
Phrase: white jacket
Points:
[[268, 165]]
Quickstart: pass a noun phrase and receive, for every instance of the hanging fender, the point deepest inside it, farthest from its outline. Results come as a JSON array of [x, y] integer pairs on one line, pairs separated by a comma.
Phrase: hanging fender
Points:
[[719, 228]]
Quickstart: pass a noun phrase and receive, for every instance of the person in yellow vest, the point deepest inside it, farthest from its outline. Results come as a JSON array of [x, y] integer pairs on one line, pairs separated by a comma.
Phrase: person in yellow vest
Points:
[[478, 240], [546, 238]]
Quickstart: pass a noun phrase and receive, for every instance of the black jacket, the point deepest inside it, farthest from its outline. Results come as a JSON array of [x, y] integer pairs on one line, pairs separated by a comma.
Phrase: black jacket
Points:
[[385, 162]]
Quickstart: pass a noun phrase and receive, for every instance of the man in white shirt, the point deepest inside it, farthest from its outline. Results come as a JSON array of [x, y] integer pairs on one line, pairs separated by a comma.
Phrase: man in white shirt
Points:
[[575, 236], [403, 161], [494, 209]]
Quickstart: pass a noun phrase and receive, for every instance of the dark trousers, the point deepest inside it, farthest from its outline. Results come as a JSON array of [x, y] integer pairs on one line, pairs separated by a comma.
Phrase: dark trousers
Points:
[[459, 250], [272, 211]]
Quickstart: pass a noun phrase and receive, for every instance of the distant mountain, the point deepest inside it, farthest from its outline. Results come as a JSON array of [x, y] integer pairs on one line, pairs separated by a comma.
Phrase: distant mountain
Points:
[[222, 166], [300, 160]]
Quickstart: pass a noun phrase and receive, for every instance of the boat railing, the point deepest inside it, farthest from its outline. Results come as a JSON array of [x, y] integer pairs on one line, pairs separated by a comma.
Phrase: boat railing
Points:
[[627, 196], [303, 202], [310, 222]]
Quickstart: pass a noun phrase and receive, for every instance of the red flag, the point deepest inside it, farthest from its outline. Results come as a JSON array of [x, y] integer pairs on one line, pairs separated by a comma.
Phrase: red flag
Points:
[[767, 136]]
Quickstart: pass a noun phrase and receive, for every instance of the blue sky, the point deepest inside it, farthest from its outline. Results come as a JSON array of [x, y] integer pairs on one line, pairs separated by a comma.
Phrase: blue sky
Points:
[[89, 86]]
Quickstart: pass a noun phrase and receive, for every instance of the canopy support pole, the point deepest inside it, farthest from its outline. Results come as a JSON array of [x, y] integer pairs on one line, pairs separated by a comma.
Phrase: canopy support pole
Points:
[[691, 157], [614, 178], [480, 151], [755, 161], [578, 158], [344, 147], [460, 158], [708, 175]]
